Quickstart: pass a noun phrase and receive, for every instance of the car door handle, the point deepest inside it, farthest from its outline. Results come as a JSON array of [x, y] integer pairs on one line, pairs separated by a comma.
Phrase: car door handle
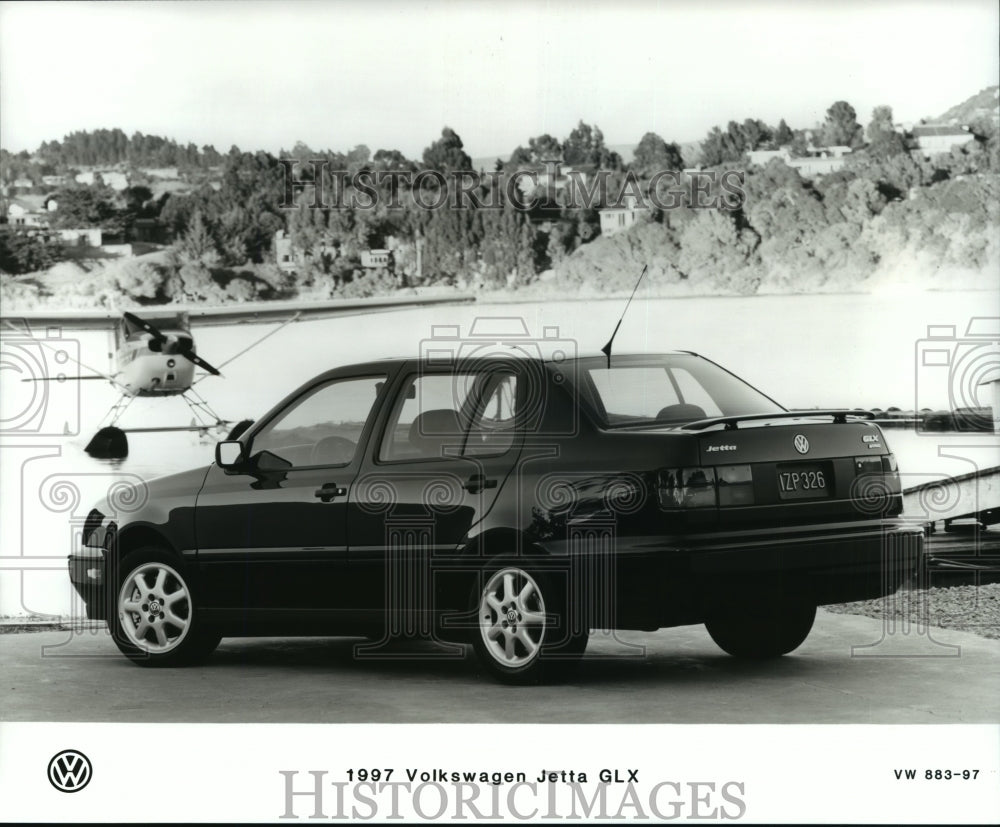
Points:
[[329, 491], [477, 482]]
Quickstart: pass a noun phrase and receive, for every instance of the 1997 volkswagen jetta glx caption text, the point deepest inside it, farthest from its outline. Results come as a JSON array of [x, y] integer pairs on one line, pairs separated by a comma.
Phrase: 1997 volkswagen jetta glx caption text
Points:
[[511, 503]]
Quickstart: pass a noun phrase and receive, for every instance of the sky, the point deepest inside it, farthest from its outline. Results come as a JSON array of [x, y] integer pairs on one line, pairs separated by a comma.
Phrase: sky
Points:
[[263, 75]]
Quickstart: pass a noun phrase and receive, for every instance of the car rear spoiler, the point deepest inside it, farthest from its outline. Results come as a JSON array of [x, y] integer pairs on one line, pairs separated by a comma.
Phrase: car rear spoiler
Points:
[[731, 422]]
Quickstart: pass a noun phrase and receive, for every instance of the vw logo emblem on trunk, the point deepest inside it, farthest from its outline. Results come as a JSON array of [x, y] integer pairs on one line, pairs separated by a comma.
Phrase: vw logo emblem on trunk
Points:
[[70, 771], [801, 444]]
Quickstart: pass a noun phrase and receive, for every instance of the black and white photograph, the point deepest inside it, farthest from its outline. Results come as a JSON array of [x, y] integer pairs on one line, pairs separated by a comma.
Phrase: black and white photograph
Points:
[[478, 411]]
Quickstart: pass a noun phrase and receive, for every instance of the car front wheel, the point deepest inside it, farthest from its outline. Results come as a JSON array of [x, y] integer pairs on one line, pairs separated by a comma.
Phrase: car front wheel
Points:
[[155, 620], [521, 635], [762, 629]]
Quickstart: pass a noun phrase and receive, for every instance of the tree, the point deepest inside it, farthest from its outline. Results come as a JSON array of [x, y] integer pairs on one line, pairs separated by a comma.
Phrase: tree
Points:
[[712, 245], [23, 253], [841, 127], [755, 134], [392, 159], [197, 244], [585, 146], [447, 153], [783, 135], [358, 158], [881, 123], [81, 207], [545, 148], [724, 147], [520, 157], [654, 154], [138, 279], [883, 139], [862, 201], [799, 145]]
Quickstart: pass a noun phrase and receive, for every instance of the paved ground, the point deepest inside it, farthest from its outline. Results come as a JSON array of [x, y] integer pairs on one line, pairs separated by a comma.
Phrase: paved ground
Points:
[[681, 678]]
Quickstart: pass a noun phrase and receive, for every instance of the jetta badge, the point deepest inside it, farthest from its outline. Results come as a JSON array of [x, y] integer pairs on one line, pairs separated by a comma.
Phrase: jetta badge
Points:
[[801, 444]]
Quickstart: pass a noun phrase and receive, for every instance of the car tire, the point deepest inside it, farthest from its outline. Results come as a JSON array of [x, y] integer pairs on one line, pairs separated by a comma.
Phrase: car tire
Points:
[[762, 629], [521, 634], [154, 615]]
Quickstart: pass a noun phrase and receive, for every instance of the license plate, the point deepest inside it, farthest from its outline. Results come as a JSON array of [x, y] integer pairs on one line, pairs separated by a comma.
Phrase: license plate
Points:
[[804, 481]]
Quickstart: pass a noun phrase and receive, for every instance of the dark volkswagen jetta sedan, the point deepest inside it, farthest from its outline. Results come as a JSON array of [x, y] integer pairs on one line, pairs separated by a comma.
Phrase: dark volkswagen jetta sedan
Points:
[[512, 503]]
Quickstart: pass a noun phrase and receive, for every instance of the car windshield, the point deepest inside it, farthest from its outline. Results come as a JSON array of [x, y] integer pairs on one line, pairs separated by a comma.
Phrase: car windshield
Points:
[[668, 390]]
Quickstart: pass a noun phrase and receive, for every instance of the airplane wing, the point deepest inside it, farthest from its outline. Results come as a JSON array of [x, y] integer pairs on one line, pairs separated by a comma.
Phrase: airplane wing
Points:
[[172, 428], [248, 313], [276, 311]]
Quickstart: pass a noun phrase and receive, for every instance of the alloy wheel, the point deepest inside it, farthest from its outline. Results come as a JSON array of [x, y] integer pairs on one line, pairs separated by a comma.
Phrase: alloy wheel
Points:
[[512, 617], [154, 608]]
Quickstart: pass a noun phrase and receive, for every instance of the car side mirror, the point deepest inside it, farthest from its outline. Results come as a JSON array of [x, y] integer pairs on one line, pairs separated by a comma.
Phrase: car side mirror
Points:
[[229, 453], [269, 462]]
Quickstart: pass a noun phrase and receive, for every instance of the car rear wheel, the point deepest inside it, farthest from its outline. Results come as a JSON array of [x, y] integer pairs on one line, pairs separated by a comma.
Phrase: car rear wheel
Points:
[[762, 629], [155, 619], [521, 635]]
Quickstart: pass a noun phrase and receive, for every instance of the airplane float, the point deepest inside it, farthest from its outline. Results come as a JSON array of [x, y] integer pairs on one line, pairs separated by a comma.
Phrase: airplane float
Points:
[[156, 356]]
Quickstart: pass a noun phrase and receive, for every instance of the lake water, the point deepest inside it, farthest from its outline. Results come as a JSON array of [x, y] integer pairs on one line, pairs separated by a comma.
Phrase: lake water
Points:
[[806, 351]]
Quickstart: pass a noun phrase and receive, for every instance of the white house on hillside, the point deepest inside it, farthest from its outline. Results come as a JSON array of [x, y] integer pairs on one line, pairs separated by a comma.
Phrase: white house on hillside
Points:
[[618, 219], [936, 138]]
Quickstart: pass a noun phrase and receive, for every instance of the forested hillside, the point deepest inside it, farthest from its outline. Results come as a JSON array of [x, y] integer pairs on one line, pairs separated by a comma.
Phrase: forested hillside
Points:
[[890, 210]]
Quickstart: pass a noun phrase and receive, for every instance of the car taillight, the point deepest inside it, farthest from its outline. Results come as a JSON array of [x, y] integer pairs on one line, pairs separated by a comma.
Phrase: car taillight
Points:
[[884, 466], [876, 479], [723, 485], [867, 465], [891, 471], [686, 488], [735, 485]]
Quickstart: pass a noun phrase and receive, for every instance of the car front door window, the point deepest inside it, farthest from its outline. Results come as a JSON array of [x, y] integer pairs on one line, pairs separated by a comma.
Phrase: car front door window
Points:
[[323, 427]]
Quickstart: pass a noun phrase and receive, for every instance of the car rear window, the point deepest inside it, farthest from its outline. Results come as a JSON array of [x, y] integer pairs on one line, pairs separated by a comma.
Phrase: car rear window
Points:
[[670, 391]]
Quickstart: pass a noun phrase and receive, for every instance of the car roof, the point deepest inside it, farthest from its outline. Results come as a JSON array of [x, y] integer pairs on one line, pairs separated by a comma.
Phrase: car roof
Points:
[[494, 356], [502, 353]]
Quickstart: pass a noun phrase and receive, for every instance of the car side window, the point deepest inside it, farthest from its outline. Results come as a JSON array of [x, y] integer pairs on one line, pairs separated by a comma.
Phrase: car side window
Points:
[[492, 430], [428, 421], [324, 426]]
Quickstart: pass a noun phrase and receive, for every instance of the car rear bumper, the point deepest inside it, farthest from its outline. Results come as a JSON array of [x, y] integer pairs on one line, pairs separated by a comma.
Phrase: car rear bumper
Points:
[[834, 567], [678, 580]]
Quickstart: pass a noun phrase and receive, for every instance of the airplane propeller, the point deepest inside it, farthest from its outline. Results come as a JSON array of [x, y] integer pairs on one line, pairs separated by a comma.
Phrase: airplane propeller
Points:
[[187, 353], [185, 349]]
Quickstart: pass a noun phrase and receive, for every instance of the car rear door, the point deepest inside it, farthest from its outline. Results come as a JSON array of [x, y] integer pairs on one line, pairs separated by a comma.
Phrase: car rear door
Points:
[[441, 456]]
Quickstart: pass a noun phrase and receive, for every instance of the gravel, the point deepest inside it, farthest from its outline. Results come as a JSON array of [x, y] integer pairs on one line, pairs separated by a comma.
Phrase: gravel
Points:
[[973, 609]]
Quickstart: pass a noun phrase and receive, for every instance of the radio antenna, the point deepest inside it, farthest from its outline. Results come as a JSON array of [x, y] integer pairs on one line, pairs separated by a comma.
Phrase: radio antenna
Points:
[[606, 350]]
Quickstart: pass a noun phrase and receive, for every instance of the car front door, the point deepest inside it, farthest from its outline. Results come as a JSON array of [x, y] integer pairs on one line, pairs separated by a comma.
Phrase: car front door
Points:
[[272, 535]]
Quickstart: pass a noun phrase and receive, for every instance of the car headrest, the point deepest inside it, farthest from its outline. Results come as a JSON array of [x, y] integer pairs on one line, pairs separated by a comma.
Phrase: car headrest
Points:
[[682, 412], [433, 429]]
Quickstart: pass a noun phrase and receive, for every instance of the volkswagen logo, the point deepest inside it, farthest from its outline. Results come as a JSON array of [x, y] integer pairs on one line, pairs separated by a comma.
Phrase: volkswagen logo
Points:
[[801, 444], [70, 771]]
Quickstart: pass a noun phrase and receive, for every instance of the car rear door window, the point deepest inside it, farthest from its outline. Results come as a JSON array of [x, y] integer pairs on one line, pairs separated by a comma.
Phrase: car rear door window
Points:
[[426, 422], [492, 430], [442, 415]]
